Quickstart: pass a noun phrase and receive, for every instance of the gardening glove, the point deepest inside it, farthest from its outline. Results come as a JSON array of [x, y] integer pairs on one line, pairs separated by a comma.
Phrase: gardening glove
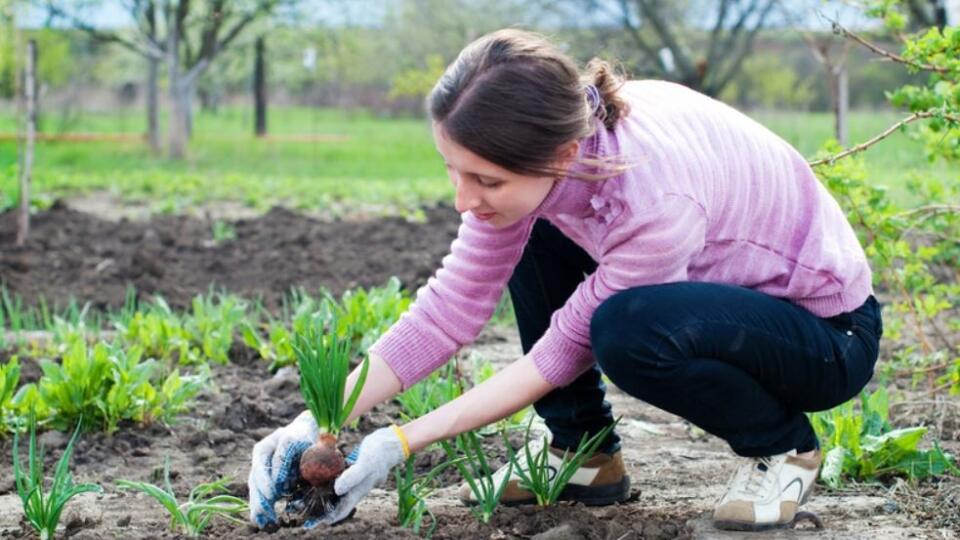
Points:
[[379, 452], [276, 466]]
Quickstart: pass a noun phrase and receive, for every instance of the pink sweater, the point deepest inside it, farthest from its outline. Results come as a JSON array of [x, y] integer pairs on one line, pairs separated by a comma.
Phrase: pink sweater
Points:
[[711, 196]]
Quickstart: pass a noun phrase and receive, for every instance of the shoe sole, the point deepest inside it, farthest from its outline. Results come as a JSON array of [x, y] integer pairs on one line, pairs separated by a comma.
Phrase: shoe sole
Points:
[[587, 495]]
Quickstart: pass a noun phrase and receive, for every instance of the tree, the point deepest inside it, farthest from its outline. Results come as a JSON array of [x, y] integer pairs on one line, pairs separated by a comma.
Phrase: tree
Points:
[[664, 33], [925, 13], [8, 63], [184, 35]]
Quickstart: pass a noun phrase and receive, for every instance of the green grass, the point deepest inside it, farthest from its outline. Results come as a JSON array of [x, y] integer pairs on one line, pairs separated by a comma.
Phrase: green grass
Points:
[[382, 163], [389, 162], [890, 162]]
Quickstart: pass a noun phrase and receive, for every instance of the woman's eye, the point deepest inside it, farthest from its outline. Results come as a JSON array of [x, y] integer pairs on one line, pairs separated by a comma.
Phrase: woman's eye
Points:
[[486, 182]]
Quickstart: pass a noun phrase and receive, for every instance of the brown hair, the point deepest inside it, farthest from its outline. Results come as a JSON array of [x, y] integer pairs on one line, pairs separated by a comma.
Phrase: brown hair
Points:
[[513, 98]]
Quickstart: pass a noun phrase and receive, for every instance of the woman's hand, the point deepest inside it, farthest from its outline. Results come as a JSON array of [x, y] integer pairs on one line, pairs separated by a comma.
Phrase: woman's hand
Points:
[[276, 466], [379, 452], [276, 459]]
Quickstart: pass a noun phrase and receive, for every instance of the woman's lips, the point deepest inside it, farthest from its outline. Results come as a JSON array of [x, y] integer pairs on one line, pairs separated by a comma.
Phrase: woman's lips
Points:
[[484, 217]]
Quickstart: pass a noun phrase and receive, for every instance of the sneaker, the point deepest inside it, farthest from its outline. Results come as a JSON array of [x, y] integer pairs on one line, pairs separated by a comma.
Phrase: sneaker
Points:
[[764, 493], [600, 481]]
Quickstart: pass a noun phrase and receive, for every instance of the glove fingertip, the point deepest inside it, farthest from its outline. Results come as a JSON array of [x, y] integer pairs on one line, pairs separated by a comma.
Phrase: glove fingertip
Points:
[[345, 483]]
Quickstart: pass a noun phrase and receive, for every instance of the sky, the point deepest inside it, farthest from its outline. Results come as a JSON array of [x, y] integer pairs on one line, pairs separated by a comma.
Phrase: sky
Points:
[[110, 14]]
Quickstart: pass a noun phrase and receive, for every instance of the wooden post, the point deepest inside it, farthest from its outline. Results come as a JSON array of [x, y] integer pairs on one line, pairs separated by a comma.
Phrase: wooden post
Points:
[[259, 90], [30, 94]]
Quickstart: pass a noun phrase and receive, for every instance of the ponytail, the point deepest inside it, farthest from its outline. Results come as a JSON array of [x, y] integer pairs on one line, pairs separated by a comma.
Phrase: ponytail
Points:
[[608, 82]]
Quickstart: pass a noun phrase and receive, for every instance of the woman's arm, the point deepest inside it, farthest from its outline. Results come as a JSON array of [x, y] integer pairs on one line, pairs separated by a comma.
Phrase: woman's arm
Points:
[[381, 384], [508, 391]]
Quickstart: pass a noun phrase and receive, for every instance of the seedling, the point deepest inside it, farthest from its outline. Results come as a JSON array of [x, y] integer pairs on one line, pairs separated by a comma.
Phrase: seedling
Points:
[[9, 378], [438, 388], [205, 502], [412, 492], [547, 481], [42, 509], [483, 370], [107, 385], [324, 360], [223, 231], [478, 473], [210, 327], [360, 315]]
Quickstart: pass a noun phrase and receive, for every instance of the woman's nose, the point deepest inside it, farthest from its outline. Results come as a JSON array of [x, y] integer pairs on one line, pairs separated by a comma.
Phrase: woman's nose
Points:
[[466, 198]]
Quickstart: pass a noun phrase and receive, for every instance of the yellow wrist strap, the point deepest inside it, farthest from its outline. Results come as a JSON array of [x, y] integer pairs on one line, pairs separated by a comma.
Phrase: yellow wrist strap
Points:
[[403, 440]]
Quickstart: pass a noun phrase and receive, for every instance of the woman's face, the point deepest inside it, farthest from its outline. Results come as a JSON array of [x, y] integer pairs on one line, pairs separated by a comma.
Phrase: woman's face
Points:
[[489, 192]]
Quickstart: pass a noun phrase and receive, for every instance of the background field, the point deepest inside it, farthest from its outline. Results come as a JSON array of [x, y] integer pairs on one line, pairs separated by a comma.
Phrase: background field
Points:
[[338, 158]]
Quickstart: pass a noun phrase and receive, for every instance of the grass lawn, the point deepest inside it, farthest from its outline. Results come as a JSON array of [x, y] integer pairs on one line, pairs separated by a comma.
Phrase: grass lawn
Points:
[[385, 163]]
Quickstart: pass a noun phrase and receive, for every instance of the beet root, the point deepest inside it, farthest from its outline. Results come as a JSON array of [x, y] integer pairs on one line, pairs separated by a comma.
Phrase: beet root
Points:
[[322, 463]]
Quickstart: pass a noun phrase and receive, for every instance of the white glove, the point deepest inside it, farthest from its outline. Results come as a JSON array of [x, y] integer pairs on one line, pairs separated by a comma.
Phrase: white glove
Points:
[[379, 452], [276, 466]]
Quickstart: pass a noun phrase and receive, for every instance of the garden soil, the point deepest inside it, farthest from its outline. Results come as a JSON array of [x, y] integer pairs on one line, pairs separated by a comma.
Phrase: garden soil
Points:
[[75, 254], [677, 471]]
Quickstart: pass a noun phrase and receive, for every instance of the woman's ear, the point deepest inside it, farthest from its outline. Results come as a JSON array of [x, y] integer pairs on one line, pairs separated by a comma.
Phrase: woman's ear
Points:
[[567, 154]]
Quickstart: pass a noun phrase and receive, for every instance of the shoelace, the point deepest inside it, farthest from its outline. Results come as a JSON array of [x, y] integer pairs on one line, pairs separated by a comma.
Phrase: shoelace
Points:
[[754, 478]]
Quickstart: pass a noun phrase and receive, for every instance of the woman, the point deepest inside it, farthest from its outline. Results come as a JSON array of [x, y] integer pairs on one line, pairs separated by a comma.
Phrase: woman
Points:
[[645, 231]]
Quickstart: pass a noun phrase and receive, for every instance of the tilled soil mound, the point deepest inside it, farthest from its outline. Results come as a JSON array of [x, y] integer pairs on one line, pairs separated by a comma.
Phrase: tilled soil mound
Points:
[[74, 254]]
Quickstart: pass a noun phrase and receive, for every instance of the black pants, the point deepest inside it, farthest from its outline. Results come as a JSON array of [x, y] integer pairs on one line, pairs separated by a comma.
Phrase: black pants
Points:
[[739, 364]]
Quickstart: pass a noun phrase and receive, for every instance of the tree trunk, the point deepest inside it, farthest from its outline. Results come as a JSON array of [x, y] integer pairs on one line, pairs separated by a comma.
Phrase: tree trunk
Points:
[[841, 106], [179, 120], [177, 131], [30, 93], [259, 91], [153, 110]]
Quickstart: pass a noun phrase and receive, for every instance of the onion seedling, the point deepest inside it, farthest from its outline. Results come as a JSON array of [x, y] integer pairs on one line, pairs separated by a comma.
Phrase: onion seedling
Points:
[[547, 481], [412, 492], [324, 361], [42, 509], [478, 473], [205, 502]]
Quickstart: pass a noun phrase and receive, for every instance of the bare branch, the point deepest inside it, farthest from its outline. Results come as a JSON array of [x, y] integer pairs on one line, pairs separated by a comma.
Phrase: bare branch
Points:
[[149, 50], [651, 11], [932, 210], [634, 32], [883, 135], [840, 30], [733, 66], [715, 33]]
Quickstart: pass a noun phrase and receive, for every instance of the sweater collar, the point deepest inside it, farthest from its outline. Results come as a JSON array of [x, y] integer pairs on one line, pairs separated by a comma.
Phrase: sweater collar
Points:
[[571, 194]]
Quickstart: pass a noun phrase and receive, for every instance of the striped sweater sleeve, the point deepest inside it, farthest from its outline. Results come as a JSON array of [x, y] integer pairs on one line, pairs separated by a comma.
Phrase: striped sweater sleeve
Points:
[[653, 246], [452, 308]]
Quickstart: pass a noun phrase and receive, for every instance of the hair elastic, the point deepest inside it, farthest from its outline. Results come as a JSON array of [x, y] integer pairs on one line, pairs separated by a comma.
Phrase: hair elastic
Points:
[[593, 97]]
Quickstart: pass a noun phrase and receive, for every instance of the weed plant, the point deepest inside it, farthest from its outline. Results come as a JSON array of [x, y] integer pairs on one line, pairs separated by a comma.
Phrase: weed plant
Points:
[[205, 503], [860, 444], [42, 508]]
